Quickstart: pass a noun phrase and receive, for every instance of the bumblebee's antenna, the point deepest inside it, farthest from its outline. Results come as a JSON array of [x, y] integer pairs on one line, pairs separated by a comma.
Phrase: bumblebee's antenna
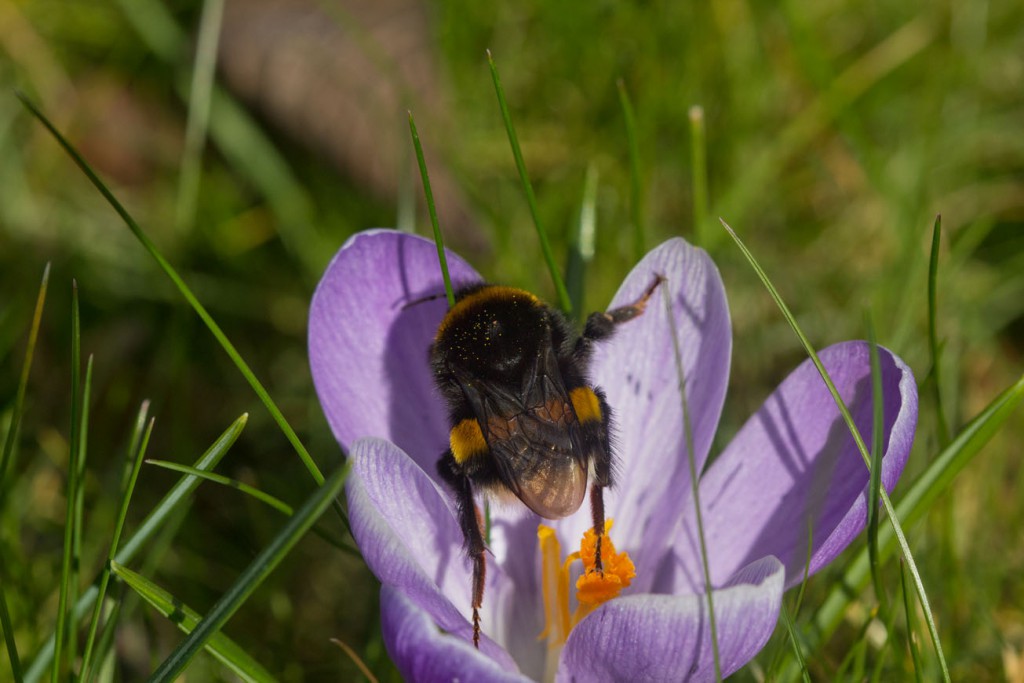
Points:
[[425, 299]]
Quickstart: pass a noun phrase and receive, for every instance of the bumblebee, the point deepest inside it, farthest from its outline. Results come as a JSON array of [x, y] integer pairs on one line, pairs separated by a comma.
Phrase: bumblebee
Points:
[[524, 418]]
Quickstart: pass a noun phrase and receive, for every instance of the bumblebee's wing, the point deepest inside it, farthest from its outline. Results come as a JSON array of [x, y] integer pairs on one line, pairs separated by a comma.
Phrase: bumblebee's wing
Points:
[[534, 438]]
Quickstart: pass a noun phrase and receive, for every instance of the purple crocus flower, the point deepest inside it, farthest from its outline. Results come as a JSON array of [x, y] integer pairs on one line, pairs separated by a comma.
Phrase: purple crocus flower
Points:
[[792, 469]]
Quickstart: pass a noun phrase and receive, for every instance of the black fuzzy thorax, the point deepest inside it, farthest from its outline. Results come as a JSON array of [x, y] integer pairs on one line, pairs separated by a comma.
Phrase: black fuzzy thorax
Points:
[[497, 341]]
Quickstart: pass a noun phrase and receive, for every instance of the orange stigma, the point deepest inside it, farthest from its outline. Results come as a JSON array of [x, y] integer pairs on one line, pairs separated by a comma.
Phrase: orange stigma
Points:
[[595, 587]]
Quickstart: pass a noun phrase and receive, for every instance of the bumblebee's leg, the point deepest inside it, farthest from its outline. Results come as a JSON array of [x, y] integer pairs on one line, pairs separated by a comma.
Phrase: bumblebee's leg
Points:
[[603, 473], [601, 325], [597, 510], [472, 532]]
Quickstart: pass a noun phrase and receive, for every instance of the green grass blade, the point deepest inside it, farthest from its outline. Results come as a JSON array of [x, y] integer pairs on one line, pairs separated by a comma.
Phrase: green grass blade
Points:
[[788, 623], [875, 481], [135, 442], [10, 443], [933, 339], [266, 498], [911, 624], [405, 200], [147, 529], [252, 577], [8, 628], [122, 515], [198, 113], [776, 659], [432, 210], [200, 310], [886, 647], [63, 618], [563, 294], [181, 490], [261, 496], [854, 432], [7, 457], [105, 643], [807, 569], [581, 252], [699, 167], [98, 649], [694, 474], [959, 453], [77, 520], [219, 645], [636, 209]]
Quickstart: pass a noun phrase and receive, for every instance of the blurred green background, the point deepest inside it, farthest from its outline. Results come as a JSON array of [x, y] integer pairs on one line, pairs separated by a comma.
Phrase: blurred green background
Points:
[[836, 131]]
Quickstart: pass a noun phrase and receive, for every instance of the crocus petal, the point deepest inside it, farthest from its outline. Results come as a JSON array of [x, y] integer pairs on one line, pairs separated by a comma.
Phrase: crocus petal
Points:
[[668, 638], [368, 351], [637, 369], [410, 538], [794, 468], [424, 654]]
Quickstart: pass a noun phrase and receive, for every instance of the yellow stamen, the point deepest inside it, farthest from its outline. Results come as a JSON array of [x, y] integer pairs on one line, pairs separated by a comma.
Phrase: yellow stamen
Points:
[[593, 587], [555, 586]]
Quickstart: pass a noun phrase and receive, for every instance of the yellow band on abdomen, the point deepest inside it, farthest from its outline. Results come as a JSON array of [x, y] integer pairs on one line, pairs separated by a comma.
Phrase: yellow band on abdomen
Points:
[[466, 440], [586, 404]]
